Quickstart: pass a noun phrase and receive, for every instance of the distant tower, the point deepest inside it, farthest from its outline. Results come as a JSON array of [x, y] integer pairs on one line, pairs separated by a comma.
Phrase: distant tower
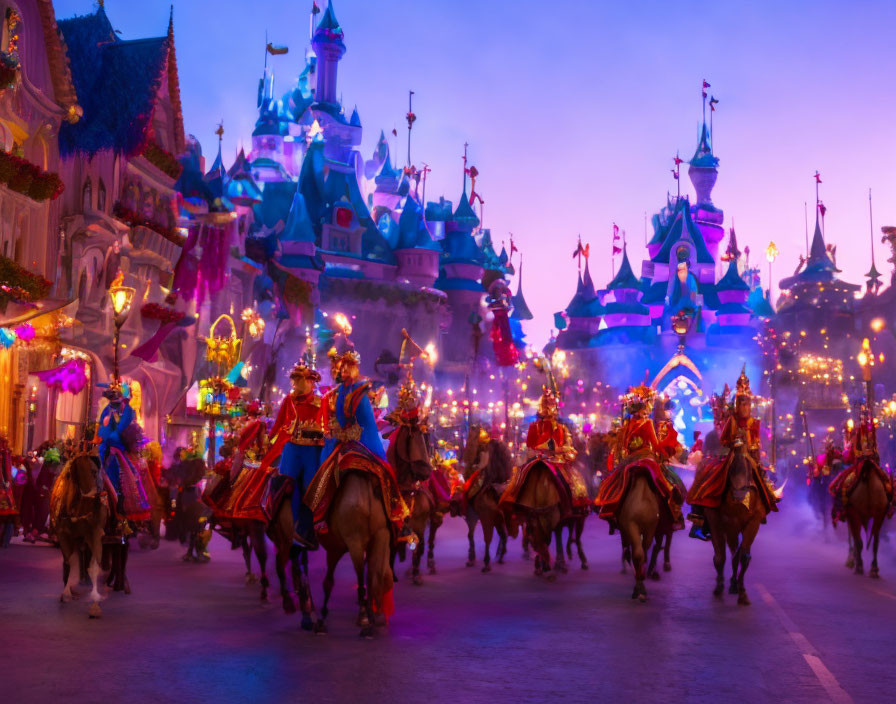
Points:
[[329, 48], [703, 172]]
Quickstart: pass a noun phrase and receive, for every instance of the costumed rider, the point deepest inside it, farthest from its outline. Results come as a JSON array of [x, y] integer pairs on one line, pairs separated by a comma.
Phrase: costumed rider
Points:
[[637, 446], [298, 439], [353, 443], [117, 432], [740, 433], [861, 456], [249, 479], [669, 449], [551, 442]]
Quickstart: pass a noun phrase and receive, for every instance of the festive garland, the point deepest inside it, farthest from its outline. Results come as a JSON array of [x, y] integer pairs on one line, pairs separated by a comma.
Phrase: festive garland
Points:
[[30, 180], [162, 160], [134, 219], [372, 291], [20, 285], [9, 66], [164, 314]]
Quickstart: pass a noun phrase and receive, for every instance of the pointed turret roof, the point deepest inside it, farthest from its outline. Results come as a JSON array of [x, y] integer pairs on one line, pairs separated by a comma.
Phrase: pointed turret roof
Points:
[[329, 21], [465, 214], [412, 230], [298, 224], [732, 250], [759, 304], [216, 178], [241, 187], [732, 280], [625, 278], [355, 120], [819, 261], [683, 227], [704, 157], [520, 308]]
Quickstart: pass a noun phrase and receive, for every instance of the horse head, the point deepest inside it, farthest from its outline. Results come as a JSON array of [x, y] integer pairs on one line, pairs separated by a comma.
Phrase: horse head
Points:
[[410, 450], [83, 470], [740, 477]]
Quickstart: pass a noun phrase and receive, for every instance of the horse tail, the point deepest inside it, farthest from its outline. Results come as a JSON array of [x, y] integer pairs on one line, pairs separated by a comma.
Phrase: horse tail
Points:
[[378, 564]]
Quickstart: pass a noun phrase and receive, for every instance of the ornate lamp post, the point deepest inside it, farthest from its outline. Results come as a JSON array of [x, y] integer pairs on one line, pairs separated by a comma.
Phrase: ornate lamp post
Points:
[[771, 253], [218, 396], [121, 296], [865, 359]]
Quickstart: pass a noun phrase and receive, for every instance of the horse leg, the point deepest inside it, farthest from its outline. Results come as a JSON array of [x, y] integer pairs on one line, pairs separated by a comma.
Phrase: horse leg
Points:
[[527, 555], [247, 556], [667, 563], [569, 541], [580, 527], [332, 560], [260, 548], [855, 529], [502, 541], [749, 535], [364, 621], [654, 554], [541, 543], [718, 559], [639, 559], [71, 574], [416, 557], [736, 552], [488, 532], [560, 562], [471, 553], [123, 566], [875, 541], [283, 556], [431, 547]]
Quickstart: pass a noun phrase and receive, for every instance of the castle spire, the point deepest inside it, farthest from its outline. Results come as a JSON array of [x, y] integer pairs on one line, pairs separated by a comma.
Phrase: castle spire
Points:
[[520, 308], [329, 48]]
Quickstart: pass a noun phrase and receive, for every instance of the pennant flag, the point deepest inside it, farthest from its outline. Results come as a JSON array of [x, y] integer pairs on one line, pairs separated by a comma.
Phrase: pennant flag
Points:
[[394, 132], [674, 173], [315, 8], [713, 101], [678, 160], [513, 247], [615, 232], [817, 177], [616, 250], [705, 86], [277, 50], [821, 208]]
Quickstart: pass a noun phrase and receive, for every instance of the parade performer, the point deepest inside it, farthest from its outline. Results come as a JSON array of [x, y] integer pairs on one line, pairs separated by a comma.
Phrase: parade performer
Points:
[[249, 480], [297, 439], [353, 443], [740, 431], [637, 446], [861, 456], [117, 430], [9, 511], [550, 442], [669, 449]]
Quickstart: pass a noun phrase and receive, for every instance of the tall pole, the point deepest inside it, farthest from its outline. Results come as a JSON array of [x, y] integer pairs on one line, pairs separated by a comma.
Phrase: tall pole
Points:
[[115, 338], [411, 118], [806, 211], [871, 226]]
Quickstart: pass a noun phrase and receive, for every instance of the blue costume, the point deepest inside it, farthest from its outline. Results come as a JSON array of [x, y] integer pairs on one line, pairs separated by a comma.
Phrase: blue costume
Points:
[[115, 420]]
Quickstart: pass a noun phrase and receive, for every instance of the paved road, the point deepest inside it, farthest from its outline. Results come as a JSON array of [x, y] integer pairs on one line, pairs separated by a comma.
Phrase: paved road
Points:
[[197, 633]]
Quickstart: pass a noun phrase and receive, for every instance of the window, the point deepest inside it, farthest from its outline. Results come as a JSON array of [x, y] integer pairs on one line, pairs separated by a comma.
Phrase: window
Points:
[[101, 197], [86, 196]]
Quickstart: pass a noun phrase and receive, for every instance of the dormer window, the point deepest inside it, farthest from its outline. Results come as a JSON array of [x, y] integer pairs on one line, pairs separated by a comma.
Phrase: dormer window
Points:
[[87, 196], [343, 217]]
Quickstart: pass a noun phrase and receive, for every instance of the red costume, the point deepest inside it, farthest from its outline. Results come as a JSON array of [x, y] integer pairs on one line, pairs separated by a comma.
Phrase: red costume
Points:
[[248, 497], [639, 449], [8, 507], [861, 458]]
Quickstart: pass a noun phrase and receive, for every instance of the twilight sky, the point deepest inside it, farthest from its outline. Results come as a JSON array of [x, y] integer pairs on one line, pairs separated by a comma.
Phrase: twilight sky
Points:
[[574, 109]]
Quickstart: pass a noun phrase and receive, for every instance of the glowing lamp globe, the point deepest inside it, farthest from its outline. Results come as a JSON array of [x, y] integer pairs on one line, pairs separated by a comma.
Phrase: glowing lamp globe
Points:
[[121, 296]]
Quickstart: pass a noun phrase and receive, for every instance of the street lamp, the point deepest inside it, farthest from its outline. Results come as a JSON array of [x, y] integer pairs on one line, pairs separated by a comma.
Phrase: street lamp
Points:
[[771, 253], [121, 296], [865, 359]]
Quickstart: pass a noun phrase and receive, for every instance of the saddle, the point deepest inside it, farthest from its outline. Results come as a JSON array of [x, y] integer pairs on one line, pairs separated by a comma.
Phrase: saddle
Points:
[[281, 491]]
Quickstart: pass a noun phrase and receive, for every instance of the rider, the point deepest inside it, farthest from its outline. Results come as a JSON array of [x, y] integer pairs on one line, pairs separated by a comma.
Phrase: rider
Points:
[[740, 432], [117, 424], [298, 438], [636, 446], [861, 452], [669, 449], [353, 442], [249, 480], [550, 442]]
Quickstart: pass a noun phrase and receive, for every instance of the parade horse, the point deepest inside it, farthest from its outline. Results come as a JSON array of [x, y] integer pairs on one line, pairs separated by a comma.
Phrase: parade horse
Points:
[[639, 517], [281, 531], [191, 514], [79, 514], [868, 504], [736, 522], [442, 488], [409, 455], [819, 482], [357, 523], [483, 508]]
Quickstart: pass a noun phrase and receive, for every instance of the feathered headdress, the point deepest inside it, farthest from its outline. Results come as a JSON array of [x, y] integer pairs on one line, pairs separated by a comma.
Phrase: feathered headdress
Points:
[[743, 385]]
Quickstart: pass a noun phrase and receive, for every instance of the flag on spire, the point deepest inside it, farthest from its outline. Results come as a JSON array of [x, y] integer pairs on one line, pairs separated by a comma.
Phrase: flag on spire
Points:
[[315, 8], [713, 101], [616, 248], [277, 50], [705, 86]]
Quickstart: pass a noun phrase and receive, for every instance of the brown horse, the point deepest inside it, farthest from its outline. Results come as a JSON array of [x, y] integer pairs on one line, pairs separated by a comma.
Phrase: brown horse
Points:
[[639, 516], [409, 454], [867, 503], [357, 524], [79, 514], [281, 531], [539, 505], [191, 514], [736, 522], [496, 464]]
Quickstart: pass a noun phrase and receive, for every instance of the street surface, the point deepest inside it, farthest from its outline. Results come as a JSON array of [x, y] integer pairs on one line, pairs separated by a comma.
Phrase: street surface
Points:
[[197, 633]]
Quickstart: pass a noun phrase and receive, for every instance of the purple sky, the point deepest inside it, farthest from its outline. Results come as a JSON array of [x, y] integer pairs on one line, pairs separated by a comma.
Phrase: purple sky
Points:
[[574, 109]]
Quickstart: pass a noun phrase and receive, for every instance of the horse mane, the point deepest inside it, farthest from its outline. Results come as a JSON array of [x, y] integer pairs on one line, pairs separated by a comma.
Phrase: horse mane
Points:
[[500, 462]]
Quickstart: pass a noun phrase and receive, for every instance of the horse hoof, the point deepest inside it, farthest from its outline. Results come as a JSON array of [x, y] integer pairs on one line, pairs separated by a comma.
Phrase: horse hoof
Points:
[[417, 580], [850, 564], [367, 633], [743, 599], [733, 589], [251, 578], [94, 611], [874, 573], [642, 598], [860, 569], [718, 591], [500, 560], [289, 606], [584, 565], [486, 569], [127, 586], [470, 563], [655, 576], [307, 623], [320, 628], [667, 567]]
